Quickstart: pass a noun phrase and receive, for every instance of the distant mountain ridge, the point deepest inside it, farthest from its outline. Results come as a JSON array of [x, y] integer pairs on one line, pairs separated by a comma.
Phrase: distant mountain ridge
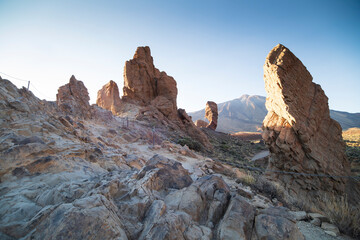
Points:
[[248, 112]]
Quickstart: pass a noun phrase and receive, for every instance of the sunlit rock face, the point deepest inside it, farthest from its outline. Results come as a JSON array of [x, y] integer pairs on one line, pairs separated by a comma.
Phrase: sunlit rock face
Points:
[[143, 83], [298, 129], [108, 97], [211, 113], [73, 98]]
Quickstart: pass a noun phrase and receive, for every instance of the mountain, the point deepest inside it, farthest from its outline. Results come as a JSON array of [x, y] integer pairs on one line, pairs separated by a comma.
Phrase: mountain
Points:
[[248, 112]]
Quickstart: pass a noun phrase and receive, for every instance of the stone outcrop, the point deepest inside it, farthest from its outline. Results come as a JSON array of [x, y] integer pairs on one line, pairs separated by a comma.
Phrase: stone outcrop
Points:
[[298, 130], [145, 84], [211, 113], [200, 123], [108, 97], [73, 98], [64, 177]]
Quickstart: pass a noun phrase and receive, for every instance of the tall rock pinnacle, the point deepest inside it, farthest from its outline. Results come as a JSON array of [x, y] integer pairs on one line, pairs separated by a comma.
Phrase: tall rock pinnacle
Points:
[[298, 129], [108, 97], [211, 113], [146, 84], [73, 98]]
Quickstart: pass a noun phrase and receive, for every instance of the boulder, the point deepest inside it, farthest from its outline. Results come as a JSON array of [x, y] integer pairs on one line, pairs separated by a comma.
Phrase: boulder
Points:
[[144, 83], [108, 97], [205, 200], [330, 229], [211, 113], [298, 130], [73, 98], [92, 217], [200, 123], [237, 222], [161, 173], [276, 223]]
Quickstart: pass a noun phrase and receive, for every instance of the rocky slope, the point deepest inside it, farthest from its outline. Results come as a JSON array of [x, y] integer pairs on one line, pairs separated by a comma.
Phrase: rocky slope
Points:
[[67, 177], [247, 113], [70, 174]]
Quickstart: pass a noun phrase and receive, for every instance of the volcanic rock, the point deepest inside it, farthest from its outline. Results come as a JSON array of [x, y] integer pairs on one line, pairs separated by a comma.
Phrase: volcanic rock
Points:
[[108, 97], [145, 84], [298, 130], [211, 113], [73, 98], [201, 123]]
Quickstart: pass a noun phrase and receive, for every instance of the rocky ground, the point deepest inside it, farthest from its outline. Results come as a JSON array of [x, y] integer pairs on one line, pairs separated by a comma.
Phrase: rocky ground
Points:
[[115, 177]]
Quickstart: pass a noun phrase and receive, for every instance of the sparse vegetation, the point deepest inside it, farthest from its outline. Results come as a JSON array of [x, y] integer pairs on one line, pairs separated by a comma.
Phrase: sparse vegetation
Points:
[[352, 140], [248, 179], [340, 212], [233, 149], [192, 144]]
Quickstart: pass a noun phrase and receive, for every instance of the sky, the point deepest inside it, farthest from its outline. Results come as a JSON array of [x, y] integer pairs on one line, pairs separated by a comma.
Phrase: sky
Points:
[[215, 49]]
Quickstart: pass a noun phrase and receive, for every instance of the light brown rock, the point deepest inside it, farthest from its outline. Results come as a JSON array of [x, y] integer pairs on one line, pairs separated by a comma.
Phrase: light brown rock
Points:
[[144, 83], [108, 97], [298, 130], [73, 98], [201, 123], [238, 220], [211, 113]]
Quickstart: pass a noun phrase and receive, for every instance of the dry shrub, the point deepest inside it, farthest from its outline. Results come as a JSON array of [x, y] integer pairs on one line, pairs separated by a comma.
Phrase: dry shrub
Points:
[[248, 179], [342, 214]]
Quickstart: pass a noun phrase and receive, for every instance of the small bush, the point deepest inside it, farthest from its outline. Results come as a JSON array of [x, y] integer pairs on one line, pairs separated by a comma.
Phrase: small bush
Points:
[[267, 188], [247, 179], [342, 214], [192, 144]]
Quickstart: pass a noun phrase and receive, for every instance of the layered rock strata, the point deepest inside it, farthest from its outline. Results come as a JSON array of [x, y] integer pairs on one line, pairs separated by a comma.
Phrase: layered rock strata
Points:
[[108, 97], [298, 130]]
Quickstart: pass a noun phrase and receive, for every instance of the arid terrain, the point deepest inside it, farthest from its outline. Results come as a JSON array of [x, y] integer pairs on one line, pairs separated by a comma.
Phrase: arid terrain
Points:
[[247, 113], [138, 167]]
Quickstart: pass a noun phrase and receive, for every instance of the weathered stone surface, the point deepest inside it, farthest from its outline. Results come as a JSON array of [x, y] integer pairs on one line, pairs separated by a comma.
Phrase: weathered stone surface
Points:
[[205, 200], [211, 113], [201, 123], [237, 222], [319, 216], [276, 227], [73, 98], [330, 229], [144, 83], [108, 97], [96, 216], [166, 173], [298, 130]]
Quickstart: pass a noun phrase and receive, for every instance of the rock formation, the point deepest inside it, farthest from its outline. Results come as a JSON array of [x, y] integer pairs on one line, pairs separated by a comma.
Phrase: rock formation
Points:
[[211, 113], [145, 84], [73, 98], [65, 177], [108, 97], [201, 123], [298, 130], [156, 91]]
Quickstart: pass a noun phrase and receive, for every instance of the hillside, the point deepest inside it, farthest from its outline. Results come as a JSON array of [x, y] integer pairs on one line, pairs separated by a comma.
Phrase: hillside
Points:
[[247, 113]]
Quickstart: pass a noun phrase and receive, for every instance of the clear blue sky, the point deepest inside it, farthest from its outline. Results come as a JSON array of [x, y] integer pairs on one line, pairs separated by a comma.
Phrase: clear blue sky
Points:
[[215, 50]]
